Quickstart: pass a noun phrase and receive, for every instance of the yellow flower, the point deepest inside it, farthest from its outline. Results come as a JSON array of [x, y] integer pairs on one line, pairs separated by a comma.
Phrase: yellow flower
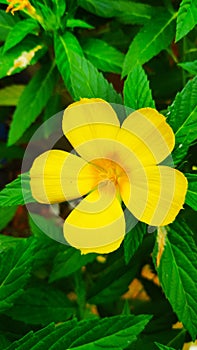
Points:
[[21, 5], [115, 164]]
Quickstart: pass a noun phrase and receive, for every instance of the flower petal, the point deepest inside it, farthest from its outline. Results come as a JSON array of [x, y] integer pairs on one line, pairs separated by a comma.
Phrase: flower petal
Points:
[[154, 194], [58, 176], [151, 127], [87, 120], [97, 224]]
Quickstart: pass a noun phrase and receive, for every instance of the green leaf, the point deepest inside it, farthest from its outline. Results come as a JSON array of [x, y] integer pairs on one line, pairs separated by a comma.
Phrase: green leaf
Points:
[[181, 115], [19, 57], [186, 19], [103, 56], [191, 196], [175, 258], [113, 280], [41, 305], [32, 101], [133, 239], [60, 7], [163, 347], [7, 22], [15, 268], [127, 12], [10, 95], [155, 36], [191, 67], [6, 215], [137, 93], [113, 333], [68, 262], [19, 32], [73, 23], [17, 192], [86, 81], [64, 44]]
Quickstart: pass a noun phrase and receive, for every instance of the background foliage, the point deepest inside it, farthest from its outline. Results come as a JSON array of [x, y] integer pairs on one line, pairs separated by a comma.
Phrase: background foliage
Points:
[[138, 53]]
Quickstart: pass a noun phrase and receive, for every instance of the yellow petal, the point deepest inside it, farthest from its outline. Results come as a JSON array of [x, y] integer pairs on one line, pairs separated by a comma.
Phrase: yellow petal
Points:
[[97, 224], [154, 194], [87, 120], [58, 176], [151, 127]]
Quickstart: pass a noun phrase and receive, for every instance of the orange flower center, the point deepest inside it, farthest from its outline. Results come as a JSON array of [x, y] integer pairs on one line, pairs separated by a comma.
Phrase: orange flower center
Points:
[[108, 170]]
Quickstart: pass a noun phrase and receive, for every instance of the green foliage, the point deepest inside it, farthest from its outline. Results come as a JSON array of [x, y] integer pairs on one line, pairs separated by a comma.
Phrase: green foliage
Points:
[[155, 36], [181, 116], [137, 93], [191, 197], [17, 192], [114, 333], [51, 295], [177, 258], [103, 56], [32, 101], [19, 32], [186, 19], [14, 272], [7, 22]]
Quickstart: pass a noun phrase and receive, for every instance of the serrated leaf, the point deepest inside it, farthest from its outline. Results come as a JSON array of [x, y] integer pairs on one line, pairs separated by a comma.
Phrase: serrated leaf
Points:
[[19, 57], [155, 36], [103, 56], [191, 196], [74, 22], [112, 332], [137, 93], [87, 82], [133, 239], [10, 95], [41, 305], [186, 19], [17, 192], [127, 12], [190, 67], [181, 115], [7, 22], [163, 347], [15, 268], [19, 32], [6, 215], [32, 101], [175, 258], [69, 261]]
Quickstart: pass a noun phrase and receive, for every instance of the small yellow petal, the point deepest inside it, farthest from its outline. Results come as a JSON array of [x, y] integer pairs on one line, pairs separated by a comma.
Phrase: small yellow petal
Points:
[[58, 176], [155, 194], [97, 224], [151, 128]]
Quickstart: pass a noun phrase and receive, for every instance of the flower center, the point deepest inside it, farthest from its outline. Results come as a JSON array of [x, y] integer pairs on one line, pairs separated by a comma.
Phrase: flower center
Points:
[[108, 170]]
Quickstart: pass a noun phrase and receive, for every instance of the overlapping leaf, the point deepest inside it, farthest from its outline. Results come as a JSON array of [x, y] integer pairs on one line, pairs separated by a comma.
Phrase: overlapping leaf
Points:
[[7, 22], [6, 215], [19, 32], [182, 116], [10, 95], [187, 18], [32, 101], [103, 56], [15, 268], [41, 305], [176, 265], [113, 333], [155, 36], [191, 67], [191, 196]]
